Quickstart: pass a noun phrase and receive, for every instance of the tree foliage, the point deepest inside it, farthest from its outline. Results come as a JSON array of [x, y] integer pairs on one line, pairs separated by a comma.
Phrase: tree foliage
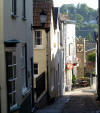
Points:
[[92, 57], [84, 17]]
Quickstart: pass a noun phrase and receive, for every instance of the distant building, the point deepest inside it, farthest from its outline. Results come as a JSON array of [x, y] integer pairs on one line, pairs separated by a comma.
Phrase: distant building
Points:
[[69, 53], [80, 53], [58, 54], [90, 48]]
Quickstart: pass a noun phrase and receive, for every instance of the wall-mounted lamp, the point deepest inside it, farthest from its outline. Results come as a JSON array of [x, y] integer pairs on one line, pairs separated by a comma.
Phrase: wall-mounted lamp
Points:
[[43, 18]]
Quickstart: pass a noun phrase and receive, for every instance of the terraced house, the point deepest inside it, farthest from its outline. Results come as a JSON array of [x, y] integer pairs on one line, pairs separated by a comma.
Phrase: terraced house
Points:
[[16, 56], [45, 51]]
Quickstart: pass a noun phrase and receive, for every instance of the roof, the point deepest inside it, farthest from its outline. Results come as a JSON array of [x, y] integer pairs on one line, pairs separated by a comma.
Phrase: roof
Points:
[[64, 17], [90, 45], [38, 7]]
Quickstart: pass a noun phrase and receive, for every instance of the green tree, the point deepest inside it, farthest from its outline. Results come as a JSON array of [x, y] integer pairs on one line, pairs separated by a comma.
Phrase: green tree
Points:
[[92, 57], [79, 18], [89, 37]]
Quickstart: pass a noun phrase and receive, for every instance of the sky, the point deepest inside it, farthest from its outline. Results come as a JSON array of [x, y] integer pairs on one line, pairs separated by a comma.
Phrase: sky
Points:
[[91, 3]]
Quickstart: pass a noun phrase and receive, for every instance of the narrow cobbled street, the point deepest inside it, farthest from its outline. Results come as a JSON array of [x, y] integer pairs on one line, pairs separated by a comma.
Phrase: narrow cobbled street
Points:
[[81, 100]]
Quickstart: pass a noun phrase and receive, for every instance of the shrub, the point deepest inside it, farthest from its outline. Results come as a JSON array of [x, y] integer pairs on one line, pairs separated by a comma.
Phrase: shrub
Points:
[[73, 79], [92, 57]]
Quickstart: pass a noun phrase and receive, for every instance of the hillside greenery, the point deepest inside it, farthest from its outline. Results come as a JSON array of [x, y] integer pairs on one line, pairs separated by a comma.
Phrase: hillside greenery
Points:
[[85, 17]]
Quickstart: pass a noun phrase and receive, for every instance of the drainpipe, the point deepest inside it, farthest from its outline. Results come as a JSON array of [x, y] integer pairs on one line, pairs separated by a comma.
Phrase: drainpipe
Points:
[[98, 58], [2, 62], [47, 53]]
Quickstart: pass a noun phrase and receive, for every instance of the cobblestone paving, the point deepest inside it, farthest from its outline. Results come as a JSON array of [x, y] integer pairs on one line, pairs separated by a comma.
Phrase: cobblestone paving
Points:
[[56, 107], [82, 101]]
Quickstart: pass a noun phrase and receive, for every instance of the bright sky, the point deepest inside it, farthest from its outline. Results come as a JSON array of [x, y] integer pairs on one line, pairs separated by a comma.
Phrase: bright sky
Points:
[[90, 3]]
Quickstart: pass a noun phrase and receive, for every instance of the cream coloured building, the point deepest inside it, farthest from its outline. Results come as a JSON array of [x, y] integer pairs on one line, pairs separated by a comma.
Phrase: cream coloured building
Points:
[[44, 52], [16, 56]]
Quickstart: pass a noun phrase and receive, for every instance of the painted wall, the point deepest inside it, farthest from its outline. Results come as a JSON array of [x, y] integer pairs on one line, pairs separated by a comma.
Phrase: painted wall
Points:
[[81, 56], [69, 50], [3, 87], [57, 60], [51, 61], [17, 28], [40, 57]]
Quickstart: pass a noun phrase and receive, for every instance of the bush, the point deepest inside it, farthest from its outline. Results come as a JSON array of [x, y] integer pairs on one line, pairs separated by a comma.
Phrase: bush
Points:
[[92, 57], [73, 79]]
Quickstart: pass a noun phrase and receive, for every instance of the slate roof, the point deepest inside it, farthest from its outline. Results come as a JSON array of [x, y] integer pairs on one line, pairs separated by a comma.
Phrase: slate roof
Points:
[[90, 45], [38, 7]]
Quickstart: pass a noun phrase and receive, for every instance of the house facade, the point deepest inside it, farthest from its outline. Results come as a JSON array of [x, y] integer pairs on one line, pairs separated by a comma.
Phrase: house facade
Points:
[[44, 57], [90, 49], [58, 79], [69, 42], [18, 53], [80, 52]]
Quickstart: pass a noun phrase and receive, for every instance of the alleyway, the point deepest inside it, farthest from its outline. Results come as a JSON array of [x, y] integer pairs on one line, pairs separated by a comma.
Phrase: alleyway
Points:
[[80, 100]]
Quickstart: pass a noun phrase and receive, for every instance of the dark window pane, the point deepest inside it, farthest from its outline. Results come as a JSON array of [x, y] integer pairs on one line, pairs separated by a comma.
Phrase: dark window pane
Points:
[[9, 58], [10, 87], [10, 72], [13, 86], [38, 41], [10, 99], [35, 71], [14, 98], [14, 59], [14, 7], [35, 65], [14, 67], [24, 8], [38, 33]]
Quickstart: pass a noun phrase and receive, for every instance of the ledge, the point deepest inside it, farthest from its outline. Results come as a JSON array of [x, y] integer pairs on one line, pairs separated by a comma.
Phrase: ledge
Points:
[[15, 108]]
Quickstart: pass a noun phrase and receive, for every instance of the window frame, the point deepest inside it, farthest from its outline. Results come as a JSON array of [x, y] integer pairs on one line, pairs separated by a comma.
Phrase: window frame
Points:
[[14, 8], [12, 91], [36, 74], [24, 68], [38, 38], [24, 10]]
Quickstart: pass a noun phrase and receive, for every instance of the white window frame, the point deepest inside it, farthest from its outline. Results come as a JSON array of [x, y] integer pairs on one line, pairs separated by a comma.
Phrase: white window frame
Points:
[[12, 79], [35, 44], [24, 87]]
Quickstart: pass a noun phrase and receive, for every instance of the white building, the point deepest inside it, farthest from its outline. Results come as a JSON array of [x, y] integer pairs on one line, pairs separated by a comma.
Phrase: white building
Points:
[[57, 53], [69, 45]]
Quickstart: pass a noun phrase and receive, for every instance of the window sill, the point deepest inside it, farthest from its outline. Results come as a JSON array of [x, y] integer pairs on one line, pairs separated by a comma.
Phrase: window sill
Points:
[[40, 47], [36, 75], [14, 108]]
